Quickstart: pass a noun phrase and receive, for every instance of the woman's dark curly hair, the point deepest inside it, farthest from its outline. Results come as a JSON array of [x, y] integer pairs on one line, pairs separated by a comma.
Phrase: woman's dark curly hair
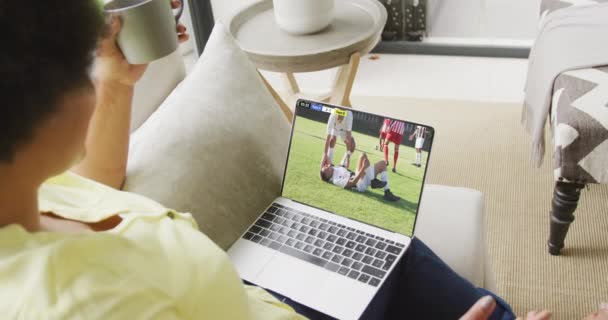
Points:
[[47, 50]]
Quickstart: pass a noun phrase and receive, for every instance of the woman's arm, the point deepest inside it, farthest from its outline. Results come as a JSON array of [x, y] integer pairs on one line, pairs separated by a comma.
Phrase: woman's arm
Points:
[[107, 141], [107, 144]]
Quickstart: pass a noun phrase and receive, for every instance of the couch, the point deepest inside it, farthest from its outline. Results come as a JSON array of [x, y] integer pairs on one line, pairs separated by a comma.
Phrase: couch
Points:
[[579, 123], [216, 147]]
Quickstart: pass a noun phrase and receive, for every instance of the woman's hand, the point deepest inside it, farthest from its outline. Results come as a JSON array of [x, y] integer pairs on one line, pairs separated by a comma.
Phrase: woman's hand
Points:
[[484, 307], [602, 314], [111, 66], [481, 310], [182, 32], [536, 315]]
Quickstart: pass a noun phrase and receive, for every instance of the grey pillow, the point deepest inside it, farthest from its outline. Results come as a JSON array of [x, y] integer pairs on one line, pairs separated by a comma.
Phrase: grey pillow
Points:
[[216, 147]]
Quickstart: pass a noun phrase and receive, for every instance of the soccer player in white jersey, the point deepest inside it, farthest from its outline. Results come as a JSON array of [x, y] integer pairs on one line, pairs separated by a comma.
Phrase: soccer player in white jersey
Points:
[[420, 135], [340, 124], [364, 178]]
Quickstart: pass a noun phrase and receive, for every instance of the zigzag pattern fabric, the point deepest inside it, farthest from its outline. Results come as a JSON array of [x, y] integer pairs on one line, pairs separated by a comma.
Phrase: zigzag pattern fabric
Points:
[[579, 115], [579, 119]]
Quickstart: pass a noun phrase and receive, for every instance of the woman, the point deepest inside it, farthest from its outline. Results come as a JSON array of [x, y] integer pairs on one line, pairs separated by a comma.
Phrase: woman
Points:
[[74, 246]]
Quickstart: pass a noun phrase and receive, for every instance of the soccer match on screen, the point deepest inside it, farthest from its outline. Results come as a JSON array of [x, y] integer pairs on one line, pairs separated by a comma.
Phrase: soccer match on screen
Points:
[[358, 165]]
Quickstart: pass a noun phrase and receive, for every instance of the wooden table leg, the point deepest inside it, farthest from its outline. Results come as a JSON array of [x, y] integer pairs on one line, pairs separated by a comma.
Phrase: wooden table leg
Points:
[[293, 89], [286, 110], [565, 201], [343, 83], [340, 93], [292, 84]]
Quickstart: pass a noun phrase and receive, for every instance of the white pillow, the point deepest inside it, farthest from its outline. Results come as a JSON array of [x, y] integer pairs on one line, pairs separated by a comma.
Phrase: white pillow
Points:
[[216, 147], [157, 83]]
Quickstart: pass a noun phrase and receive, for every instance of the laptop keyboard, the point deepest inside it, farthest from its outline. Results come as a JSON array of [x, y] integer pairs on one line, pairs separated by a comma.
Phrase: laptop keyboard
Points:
[[347, 251]]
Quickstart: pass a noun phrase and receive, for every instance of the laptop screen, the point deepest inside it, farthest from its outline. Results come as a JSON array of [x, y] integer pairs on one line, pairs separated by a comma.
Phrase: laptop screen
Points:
[[358, 165]]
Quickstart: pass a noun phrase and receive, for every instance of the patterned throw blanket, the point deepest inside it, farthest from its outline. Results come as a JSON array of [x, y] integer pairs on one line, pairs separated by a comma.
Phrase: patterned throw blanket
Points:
[[579, 119], [569, 39]]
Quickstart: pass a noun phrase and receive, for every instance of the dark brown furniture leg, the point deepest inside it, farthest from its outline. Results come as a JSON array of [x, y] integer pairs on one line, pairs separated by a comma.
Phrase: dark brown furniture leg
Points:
[[565, 201]]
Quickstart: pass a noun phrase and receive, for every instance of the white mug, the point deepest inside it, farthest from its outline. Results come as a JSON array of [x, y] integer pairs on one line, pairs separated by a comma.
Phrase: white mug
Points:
[[148, 28], [303, 16]]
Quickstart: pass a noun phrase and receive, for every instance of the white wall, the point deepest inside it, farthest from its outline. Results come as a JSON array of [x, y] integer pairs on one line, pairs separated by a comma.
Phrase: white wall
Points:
[[222, 9], [503, 19]]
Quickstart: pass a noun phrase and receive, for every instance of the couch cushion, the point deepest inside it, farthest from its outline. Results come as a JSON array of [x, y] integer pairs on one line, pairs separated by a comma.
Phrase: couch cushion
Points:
[[216, 147], [161, 77], [451, 221]]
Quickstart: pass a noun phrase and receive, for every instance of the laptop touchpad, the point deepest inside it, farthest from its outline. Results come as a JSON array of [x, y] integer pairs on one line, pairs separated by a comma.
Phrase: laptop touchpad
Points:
[[292, 278]]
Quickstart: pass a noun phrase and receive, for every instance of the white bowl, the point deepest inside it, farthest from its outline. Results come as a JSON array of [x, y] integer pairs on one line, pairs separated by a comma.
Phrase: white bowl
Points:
[[301, 17]]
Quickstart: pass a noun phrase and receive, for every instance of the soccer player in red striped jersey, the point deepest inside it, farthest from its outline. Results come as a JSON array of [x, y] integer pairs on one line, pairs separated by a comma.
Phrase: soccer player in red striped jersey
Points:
[[392, 131], [383, 132]]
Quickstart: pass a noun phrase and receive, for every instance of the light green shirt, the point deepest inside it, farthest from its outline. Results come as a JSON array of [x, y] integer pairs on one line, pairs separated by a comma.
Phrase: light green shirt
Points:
[[154, 265]]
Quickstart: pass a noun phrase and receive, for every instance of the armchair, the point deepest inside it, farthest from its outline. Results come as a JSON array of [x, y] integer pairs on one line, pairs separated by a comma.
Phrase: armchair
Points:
[[579, 121]]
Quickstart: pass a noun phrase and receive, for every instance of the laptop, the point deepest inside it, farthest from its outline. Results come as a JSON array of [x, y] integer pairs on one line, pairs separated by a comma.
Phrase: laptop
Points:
[[335, 234]]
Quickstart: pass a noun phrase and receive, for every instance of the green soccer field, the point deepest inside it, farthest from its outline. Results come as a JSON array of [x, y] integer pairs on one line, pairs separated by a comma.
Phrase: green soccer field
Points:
[[302, 182]]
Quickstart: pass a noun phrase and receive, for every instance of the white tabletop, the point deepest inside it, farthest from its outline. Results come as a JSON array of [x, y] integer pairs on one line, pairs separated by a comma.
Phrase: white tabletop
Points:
[[357, 27]]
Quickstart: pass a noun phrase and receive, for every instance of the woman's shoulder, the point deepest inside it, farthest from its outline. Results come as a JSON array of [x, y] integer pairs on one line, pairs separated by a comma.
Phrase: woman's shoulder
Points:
[[77, 198]]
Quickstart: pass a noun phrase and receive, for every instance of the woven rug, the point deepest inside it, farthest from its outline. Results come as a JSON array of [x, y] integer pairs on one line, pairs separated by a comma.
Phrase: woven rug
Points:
[[482, 146]]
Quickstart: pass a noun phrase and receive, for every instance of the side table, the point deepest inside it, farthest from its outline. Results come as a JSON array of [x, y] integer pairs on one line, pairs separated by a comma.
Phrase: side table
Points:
[[355, 31]]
